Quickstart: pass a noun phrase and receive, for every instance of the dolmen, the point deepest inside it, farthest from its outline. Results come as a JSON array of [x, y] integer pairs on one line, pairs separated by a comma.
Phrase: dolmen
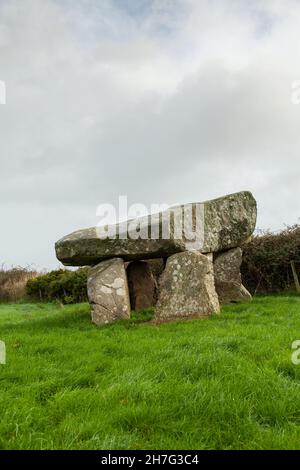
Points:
[[184, 261]]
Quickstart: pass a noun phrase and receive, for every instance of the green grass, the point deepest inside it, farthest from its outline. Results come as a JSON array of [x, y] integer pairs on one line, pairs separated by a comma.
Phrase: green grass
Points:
[[222, 383]]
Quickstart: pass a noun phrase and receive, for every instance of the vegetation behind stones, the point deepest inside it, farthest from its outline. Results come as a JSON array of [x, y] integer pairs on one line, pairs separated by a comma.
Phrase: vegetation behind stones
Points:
[[61, 285], [267, 260], [13, 283]]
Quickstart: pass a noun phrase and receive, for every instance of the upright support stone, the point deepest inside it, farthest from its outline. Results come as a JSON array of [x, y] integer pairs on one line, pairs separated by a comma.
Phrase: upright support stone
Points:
[[156, 267], [228, 277], [142, 285], [187, 288], [108, 292]]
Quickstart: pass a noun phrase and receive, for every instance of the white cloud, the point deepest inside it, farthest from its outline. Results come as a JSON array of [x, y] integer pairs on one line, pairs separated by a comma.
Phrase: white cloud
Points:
[[175, 101]]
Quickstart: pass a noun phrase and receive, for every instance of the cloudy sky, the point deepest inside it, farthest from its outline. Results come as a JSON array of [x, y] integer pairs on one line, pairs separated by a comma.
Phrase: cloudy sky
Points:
[[164, 101]]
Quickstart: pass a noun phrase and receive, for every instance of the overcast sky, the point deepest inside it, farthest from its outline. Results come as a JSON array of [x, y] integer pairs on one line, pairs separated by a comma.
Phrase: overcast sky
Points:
[[164, 101]]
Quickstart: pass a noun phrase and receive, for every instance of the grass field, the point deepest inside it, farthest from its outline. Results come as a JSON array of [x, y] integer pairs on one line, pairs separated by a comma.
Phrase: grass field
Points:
[[222, 383]]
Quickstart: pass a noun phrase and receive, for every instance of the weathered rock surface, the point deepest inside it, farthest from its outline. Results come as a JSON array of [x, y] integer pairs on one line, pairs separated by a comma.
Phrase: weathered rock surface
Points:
[[211, 226], [108, 292], [228, 278], [85, 248], [187, 288], [157, 267], [142, 285], [229, 221]]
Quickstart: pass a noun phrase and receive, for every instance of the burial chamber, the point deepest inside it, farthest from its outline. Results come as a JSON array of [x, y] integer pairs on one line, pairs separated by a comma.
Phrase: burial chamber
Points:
[[184, 261]]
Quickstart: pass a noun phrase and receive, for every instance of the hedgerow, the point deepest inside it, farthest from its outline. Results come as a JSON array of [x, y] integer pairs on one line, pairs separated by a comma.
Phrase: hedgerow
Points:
[[62, 285], [267, 261]]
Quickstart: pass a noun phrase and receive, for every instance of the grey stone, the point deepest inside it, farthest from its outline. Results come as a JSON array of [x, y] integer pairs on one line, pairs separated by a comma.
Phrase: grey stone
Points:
[[156, 267], [228, 279], [108, 292], [186, 288], [216, 225], [142, 285], [228, 221]]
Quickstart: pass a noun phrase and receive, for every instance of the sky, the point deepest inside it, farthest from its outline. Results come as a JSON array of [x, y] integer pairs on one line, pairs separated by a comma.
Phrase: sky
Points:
[[162, 101]]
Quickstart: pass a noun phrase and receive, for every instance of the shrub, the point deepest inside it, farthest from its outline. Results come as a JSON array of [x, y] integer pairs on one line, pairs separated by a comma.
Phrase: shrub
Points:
[[13, 283], [267, 260], [65, 286]]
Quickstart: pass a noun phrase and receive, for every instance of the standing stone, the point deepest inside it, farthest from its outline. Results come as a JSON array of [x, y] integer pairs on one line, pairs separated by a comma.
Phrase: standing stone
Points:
[[108, 292], [187, 288], [157, 267], [142, 285], [228, 277]]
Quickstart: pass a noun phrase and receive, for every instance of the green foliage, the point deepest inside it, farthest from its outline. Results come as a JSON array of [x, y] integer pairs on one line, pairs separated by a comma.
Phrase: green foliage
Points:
[[62, 285], [266, 264], [225, 382], [143, 315]]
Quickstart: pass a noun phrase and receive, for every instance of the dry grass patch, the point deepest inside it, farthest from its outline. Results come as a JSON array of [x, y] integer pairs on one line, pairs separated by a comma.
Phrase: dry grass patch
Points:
[[13, 283]]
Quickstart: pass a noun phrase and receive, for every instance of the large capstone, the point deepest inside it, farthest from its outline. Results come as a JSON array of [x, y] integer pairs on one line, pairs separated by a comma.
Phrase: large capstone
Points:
[[207, 227], [108, 292], [187, 288], [141, 284], [228, 278]]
